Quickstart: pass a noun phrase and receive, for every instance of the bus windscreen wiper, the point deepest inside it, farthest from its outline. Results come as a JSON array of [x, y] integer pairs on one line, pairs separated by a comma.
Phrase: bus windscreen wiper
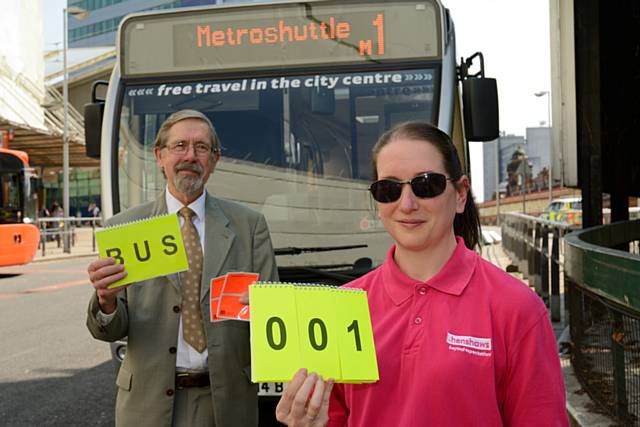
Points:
[[297, 251]]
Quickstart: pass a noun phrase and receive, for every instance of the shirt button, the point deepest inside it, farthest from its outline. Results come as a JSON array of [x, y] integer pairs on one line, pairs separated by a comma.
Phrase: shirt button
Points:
[[170, 392], [176, 309], [417, 320], [172, 350], [422, 291]]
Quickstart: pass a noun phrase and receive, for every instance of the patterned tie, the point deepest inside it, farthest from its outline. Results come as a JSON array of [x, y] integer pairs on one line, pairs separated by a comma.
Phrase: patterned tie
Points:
[[192, 326]]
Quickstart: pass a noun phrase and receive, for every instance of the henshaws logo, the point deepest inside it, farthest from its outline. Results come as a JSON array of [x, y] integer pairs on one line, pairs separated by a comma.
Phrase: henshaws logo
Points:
[[471, 345]]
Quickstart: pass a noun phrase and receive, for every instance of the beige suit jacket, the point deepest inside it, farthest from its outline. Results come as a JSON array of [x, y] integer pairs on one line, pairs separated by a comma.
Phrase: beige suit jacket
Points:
[[236, 239]]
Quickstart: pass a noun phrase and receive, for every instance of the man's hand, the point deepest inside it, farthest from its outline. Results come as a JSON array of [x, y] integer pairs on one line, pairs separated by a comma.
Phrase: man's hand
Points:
[[102, 273], [296, 409]]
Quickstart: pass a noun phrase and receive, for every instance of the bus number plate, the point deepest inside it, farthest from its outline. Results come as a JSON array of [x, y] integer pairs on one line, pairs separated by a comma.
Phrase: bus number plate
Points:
[[271, 389]]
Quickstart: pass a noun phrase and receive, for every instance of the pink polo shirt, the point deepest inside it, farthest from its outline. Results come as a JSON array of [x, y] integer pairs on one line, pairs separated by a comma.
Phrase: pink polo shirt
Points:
[[472, 346]]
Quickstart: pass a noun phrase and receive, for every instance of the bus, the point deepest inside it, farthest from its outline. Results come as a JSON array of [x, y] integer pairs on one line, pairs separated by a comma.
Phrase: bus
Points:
[[298, 92], [19, 234]]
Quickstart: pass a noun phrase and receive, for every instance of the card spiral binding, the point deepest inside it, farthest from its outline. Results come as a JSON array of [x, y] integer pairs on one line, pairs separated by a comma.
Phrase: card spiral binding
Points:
[[308, 285], [135, 221]]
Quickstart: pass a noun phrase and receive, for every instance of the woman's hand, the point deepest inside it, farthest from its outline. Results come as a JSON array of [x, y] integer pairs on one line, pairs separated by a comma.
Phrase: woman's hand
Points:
[[305, 402]]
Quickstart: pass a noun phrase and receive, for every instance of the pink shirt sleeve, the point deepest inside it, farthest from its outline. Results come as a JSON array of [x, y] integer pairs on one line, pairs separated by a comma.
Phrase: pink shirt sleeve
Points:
[[338, 412], [534, 393]]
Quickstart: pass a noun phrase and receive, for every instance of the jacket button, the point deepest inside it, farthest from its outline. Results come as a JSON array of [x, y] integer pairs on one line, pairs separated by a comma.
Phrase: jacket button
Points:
[[170, 392], [172, 350], [422, 291], [176, 309], [417, 320]]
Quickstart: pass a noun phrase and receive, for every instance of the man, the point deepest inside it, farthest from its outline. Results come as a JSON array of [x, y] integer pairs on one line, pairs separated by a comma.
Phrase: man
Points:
[[94, 210], [180, 369]]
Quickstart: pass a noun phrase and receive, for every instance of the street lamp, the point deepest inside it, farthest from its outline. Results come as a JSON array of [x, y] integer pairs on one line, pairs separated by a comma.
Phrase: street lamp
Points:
[[523, 170], [548, 94], [80, 14]]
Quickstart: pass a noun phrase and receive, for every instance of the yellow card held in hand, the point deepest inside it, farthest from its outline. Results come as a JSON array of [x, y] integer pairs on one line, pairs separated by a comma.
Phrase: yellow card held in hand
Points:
[[355, 336], [275, 353], [318, 348], [324, 329], [147, 248]]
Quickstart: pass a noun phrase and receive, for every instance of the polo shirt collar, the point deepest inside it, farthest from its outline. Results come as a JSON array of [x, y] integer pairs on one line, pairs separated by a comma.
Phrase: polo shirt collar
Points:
[[452, 279]]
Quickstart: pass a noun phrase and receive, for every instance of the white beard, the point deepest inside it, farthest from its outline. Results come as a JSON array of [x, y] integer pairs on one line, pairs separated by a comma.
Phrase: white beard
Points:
[[188, 184]]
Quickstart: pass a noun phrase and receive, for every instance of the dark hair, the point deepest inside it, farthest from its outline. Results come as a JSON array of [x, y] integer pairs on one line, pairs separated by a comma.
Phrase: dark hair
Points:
[[465, 224]]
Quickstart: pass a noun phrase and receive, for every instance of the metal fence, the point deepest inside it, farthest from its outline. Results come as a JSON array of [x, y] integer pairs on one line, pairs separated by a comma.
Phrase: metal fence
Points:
[[603, 283], [536, 247], [53, 231]]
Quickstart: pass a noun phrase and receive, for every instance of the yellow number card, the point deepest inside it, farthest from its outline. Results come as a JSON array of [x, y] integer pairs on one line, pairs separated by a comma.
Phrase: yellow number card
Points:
[[324, 329], [355, 337], [275, 348], [147, 248], [318, 348]]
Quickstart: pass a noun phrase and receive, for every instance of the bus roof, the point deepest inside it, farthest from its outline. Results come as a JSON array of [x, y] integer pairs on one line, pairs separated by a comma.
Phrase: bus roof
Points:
[[259, 36], [24, 157]]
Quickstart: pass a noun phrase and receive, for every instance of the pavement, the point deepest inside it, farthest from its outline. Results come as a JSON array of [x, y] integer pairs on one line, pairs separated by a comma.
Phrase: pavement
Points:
[[581, 409]]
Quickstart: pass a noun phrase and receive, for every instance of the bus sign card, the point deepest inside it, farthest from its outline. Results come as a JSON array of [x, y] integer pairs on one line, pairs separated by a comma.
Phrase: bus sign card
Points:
[[147, 248], [324, 329]]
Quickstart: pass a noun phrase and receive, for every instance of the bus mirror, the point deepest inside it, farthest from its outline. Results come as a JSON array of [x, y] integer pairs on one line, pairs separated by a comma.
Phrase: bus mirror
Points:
[[323, 101], [92, 128], [93, 121], [480, 106]]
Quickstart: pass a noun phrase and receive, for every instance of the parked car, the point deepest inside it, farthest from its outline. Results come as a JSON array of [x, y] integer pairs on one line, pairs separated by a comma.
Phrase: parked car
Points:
[[567, 210]]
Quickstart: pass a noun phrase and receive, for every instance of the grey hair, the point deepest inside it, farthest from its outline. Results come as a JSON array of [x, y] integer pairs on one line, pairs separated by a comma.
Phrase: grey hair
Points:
[[163, 133]]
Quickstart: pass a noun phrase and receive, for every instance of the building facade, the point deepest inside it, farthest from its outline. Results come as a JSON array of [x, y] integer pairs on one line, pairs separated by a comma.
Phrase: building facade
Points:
[[538, 148], [21, 65], [101, 26]]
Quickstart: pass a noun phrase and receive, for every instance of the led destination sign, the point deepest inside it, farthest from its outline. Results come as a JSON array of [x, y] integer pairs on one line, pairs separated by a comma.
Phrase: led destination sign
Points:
[[283, 33], [279, 36]]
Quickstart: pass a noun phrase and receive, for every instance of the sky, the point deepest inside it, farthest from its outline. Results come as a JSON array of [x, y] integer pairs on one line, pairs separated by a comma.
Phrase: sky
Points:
[[52, 23], [513, 36]]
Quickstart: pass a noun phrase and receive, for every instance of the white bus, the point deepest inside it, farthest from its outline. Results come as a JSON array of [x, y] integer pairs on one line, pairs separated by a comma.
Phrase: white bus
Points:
[[298, 92]]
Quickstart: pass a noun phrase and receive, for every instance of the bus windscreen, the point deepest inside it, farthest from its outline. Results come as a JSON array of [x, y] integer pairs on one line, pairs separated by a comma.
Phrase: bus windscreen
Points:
[[296, 148], [281, 36]]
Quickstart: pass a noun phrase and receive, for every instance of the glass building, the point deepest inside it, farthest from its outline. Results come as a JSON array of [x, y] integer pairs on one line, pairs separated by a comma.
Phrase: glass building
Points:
[[101, 26]]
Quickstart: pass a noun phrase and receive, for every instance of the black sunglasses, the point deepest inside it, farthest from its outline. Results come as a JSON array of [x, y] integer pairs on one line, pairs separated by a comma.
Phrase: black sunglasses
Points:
[[424, 186]]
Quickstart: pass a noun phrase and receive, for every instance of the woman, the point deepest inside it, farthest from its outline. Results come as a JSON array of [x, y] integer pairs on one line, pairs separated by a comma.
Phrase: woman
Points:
[[459, 342]]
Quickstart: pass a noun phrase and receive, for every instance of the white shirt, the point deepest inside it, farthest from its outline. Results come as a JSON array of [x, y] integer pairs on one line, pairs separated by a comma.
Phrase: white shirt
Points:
[[188, 359]]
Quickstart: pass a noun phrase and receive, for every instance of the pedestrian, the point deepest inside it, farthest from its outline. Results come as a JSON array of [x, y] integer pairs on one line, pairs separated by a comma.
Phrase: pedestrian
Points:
[[44, 212], [58, 226], [94, 212], [458, 341], [56, 210], [45, 225], [180, 369]]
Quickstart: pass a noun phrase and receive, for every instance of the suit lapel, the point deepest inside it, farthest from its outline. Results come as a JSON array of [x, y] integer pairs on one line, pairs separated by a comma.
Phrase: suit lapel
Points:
[[217, 242]]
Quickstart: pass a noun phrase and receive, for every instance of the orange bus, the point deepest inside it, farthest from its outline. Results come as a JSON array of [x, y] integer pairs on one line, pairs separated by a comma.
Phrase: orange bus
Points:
[[19, 234]]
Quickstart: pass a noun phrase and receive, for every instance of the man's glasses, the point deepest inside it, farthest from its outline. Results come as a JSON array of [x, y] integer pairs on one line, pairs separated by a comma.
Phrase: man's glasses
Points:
[[181, 147], [424, 186]]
